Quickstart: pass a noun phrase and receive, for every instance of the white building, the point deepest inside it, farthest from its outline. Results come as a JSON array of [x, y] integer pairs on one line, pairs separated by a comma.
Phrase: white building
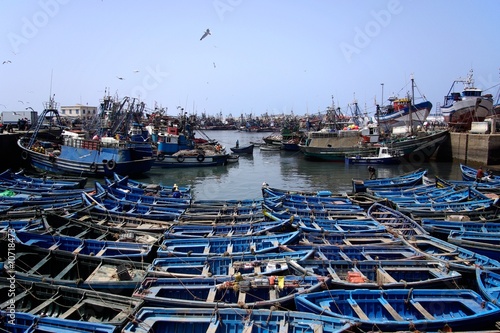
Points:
[[78, 111]]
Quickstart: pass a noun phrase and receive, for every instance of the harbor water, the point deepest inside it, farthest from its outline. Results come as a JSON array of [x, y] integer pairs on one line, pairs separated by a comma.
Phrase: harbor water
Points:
[[279, 169]]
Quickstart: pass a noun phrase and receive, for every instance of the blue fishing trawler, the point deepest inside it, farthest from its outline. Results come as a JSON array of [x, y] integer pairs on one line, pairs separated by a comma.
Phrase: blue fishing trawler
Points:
[[51, 148]]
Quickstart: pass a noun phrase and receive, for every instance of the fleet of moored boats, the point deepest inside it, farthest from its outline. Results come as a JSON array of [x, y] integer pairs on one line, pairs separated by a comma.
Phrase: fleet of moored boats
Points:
[[398, 254]]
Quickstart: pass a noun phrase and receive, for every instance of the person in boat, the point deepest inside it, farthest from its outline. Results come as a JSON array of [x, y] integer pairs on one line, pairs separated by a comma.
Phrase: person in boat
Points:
[[371, 172], [479, 174], [237, 143], [175, 192]]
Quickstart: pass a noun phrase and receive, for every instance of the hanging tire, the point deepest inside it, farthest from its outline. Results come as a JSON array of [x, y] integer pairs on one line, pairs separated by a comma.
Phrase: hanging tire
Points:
[[24, 155], [200, 157], [180, 158], [160, 157], [111, 164], [93, 168]]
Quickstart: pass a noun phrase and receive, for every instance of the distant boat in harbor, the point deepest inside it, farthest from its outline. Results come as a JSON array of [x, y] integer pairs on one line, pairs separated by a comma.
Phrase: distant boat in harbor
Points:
[[64, 152], [460, 109], [384, 155]]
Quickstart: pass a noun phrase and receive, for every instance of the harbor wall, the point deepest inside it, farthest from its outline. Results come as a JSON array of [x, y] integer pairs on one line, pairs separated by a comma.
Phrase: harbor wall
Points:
[[483, 149]]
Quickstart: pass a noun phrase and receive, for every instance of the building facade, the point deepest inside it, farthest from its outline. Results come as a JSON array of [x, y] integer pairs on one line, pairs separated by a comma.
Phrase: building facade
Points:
[[79, 111]]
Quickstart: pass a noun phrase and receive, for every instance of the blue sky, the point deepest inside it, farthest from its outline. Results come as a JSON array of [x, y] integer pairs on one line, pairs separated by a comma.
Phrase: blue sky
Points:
[[262, 56]]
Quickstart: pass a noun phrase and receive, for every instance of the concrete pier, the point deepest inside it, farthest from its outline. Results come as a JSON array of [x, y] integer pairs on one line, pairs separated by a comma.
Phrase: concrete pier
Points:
[[476, 148]]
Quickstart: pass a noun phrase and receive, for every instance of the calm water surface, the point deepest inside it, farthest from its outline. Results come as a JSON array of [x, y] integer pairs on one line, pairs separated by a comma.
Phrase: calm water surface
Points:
[[280, 169]]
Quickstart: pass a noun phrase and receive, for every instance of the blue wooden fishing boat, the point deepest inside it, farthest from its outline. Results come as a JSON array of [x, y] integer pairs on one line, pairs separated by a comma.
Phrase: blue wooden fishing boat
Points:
[[394, 221], [338, 238], [279, 213], [488, 284], [85, 306], [456, 257], [308, 207], [62, 268], [442, 228], [243, 149], [120, 208], [237, 292], [404, 310], [189, 320], [441, 208], [378, 274], [21, 322], [277, 192], [272, 263], [222, 218], [135, 184], [116, 194], [320, 196], [482, 243], [159, 189], [469, 174], [20, 178], [126, 223], [225, 246], [92, 247], [55, 224], [81, 181], [410, 179], [76, 155], [439, 195], [228, 230], [361, 252], [306, 224]]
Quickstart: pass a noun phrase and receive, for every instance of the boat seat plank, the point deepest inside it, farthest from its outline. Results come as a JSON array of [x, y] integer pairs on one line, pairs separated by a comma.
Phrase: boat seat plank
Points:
[[384, 277], [248, 327], [283, 326], [334, 274], [38, 265], [54, 247], [65, 270], [101, 252], [241, 298], [206, 270], [212, 328], [361, 314], [317, 328], [229, 249], [423, 311], [390, 309], [272, 294], [43, 305], [211, 294]]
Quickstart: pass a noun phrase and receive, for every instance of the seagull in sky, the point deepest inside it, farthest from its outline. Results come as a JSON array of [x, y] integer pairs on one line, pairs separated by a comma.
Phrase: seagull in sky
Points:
[[6, 62], [207, 32], [214, 65], [20, 101], [119, 78], [136, 71]]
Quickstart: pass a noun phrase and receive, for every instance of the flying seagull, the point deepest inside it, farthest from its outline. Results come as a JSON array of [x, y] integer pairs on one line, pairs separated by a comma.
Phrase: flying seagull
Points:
[[207, 32], [119, 78], [6, 62], [214, 65]]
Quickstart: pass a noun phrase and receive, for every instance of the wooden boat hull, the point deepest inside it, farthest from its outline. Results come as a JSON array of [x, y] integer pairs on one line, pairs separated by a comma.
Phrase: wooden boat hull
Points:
[[402, 310], [159, 319]]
